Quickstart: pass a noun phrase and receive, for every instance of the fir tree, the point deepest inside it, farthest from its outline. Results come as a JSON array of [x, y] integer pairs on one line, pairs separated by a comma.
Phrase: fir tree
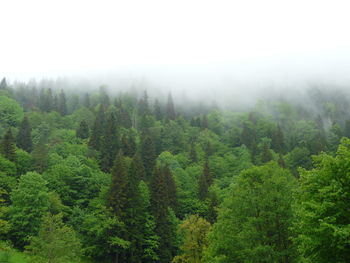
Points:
[[62, 105], [205, 180], [3, 84], [148, 154], [24, 137], [159, 198], [128, 145], [110, 143], [266, 154], [157, 111], [8, 148], [170, 110], [83, 130], [212, 209], [117, 196], [171, 187], [193, 153], [277, 143], [97, 130], [40, 156]]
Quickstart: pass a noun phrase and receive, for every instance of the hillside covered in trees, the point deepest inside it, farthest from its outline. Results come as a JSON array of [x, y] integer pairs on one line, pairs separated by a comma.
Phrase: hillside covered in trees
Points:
[[123, 177]]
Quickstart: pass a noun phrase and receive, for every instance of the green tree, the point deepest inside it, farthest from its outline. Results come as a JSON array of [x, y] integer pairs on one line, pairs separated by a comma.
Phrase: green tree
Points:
[[55, 242], [30, 201], [148, 154], [10, 112], [24, 136], [83, 130], [195, 230], [205, 180], [170, 110], [8, 148], [321, 208], [62, 104], [97, 130], [254, 220]]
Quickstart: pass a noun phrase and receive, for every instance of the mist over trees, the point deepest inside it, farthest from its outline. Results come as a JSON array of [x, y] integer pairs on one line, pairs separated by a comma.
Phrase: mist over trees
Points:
[[132, 175]]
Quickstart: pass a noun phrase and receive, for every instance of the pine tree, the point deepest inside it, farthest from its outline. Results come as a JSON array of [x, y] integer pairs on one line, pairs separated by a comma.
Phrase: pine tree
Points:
[[143, 108], [8, 148], [157, 111], [97, 130], [24, 137], [170, 110], [83, 130], [148, 154], [128, 145], [62, 105], [193, 153], [205, 180], [117, 196], [3, 84], [171, 187], [110, 143], [159, 200]]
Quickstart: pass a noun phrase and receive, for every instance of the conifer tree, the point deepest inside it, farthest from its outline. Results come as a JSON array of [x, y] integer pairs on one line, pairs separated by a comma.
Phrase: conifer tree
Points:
[[266, 154], [171, 187], [157, 110], [86, 101], [159, 198], [128, 145], [8, 148], [40, 156], [212, 209], [148, 154], [110, 143], [277, 143], [204, 123], [117, 196], [3, 84], [170, 110], [97, 130], [62, 105], [193, 153], [143, 108], [24, 137], [83, 130], [205, 180]]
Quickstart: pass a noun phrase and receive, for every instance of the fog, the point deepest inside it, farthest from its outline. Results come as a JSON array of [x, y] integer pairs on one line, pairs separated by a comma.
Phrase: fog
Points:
[[227, 51]]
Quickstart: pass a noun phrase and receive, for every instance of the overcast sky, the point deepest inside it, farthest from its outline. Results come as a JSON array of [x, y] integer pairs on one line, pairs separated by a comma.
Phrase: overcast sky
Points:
[[243, 38]]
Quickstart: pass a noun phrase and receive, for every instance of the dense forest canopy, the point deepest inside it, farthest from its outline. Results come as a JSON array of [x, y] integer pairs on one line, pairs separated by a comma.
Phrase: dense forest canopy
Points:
[[131, 175]]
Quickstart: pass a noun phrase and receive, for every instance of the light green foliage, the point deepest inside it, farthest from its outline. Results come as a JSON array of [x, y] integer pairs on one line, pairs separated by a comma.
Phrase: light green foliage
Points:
[[24, 162], [7, 167], [194, 230], [322, 208], [30, 201], [55, 242], [254, 219], [10, 112]]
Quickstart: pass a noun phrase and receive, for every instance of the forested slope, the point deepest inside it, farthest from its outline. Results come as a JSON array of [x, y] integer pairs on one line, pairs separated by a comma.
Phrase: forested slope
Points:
[[123, 177]]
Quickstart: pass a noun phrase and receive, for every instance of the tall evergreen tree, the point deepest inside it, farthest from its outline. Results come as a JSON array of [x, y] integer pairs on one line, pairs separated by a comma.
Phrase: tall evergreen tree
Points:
[[3, 84], [266, 154], [24, 137], [193, 153], [83, 130], [157, 110], [62, 105], [86, 101], [148, 154], [8, 148], [205, 180], [171, 187], [97, 130], [110, 143], [170, 110], [128, 145], [159, 198], [277, 143]]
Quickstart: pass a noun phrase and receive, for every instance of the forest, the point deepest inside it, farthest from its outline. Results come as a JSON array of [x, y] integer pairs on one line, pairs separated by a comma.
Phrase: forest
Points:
[[100, 175]]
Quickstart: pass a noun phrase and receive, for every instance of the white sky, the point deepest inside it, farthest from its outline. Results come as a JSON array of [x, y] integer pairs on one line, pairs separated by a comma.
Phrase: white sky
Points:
[[49, 38]]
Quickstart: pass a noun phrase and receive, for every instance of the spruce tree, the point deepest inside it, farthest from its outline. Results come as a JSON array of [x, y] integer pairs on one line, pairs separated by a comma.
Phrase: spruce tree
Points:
[[24, 137], [212, 209], [159, 198], [110, 143], [170, 110], [83, 130], [157, 111], [97, 130], [8, 148], [205, 180], [266, 154], [3, 84], [128, 145], [277, 143], [117, 195], [62, 105], [193, 153], [148, 154], [171, 187]]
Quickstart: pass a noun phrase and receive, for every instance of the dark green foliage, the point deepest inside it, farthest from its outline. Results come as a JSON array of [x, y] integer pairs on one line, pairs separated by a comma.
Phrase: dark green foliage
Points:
[[110, 144], [86, 101], [97, 130], [158, 114], [8, 149], [205, 180], [213, 207], [24, 136], [159, 201], [40, 157], [204, 124], [128, 145], [277, 143], [148, 154], [83, 130], [171, 187], [266, 154], [193, 153], [117, 195], [170, 110], [62, 104]]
